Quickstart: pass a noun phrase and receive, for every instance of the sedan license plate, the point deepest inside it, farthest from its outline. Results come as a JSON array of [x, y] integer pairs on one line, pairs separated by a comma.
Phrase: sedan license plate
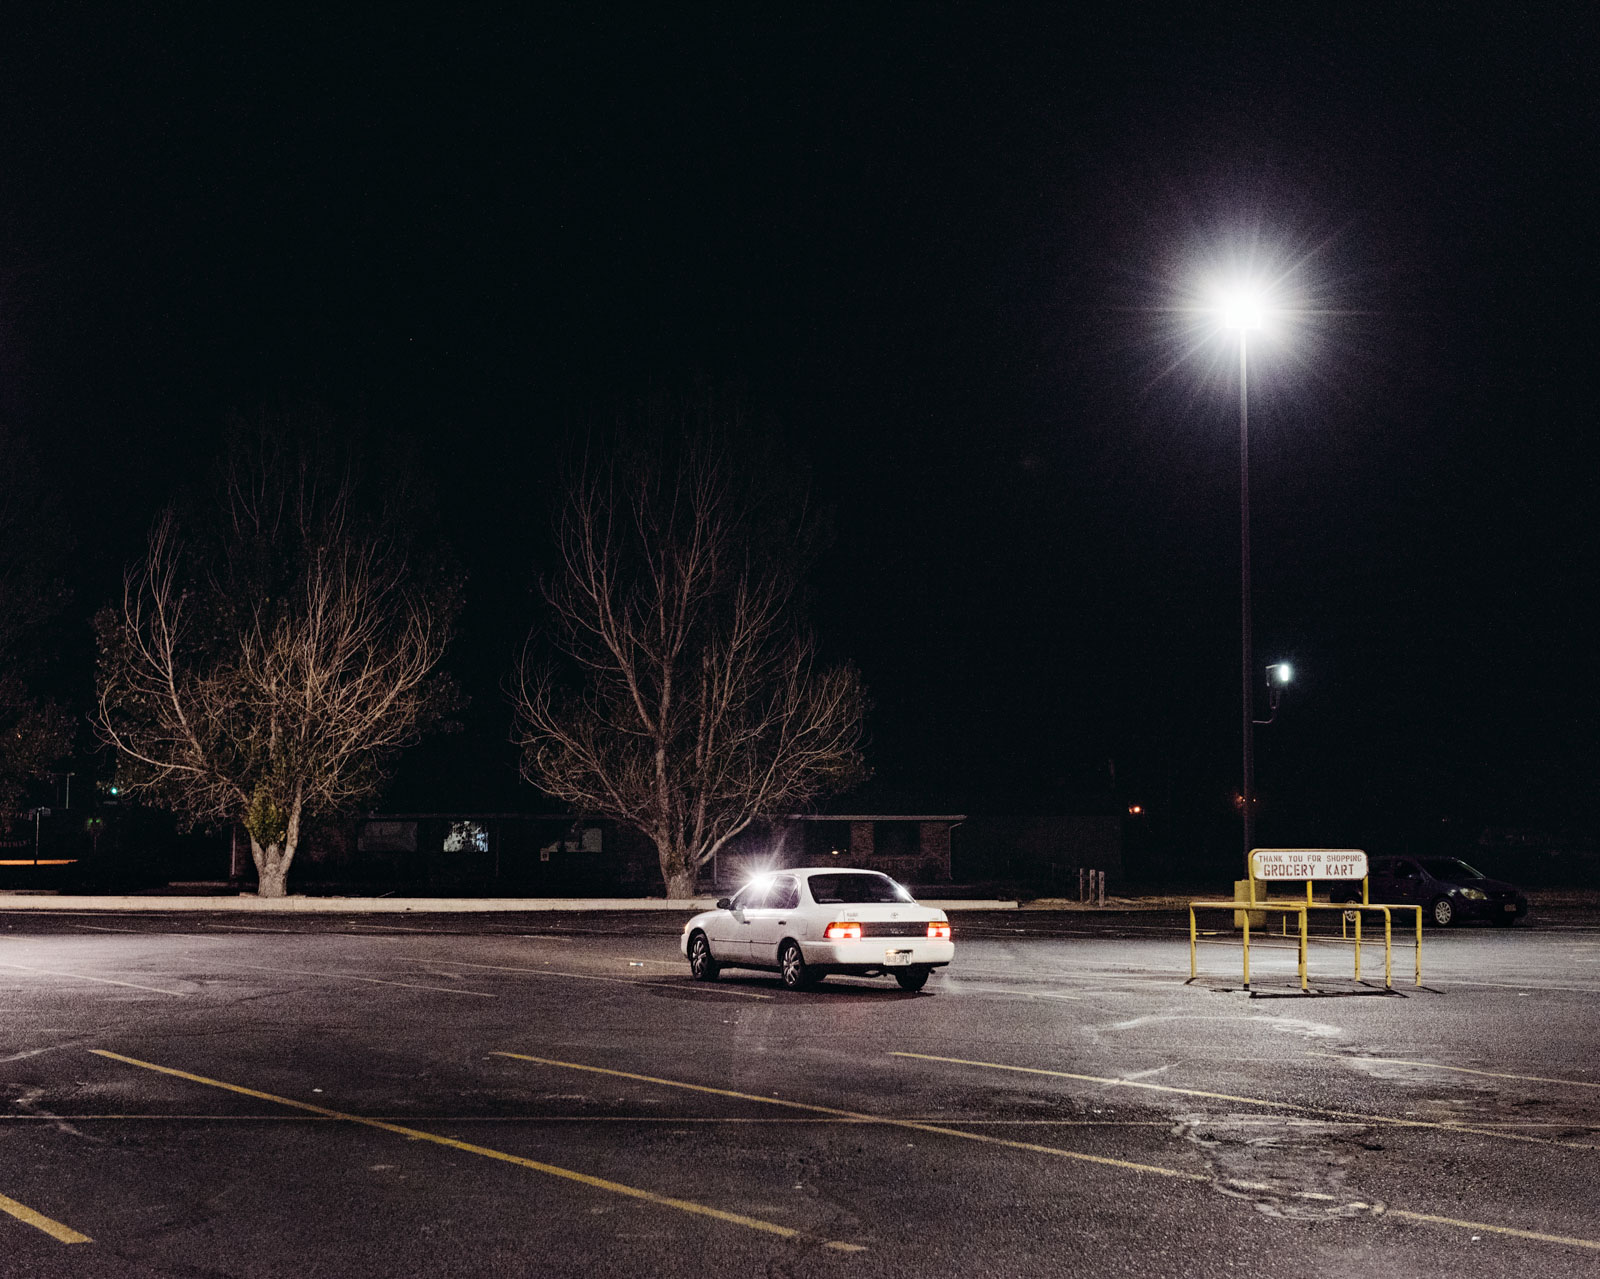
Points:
[[896, 958]]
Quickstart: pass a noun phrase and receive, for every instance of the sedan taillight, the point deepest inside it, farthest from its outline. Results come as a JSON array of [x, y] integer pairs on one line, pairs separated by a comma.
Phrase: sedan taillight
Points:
[[843, 932], [938, 930]]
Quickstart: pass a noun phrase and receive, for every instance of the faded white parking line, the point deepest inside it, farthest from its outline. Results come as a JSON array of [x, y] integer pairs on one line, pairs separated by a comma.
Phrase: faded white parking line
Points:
[[620, 981], [959, 987], [108, 981], [1120, 1082], [1445, 979], [745, 1120], [1460, 1070], [375, 981]]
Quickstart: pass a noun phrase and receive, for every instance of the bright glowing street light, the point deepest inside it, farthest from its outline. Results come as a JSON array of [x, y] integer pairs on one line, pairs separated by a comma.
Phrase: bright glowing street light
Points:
[[1244, 308], [1255, 295]]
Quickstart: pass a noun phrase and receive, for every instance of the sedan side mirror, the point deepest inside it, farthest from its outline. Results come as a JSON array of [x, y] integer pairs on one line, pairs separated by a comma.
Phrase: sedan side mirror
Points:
[[724, 903]]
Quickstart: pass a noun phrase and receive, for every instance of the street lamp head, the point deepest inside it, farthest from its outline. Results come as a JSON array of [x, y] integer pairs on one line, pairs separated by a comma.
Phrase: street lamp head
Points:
[[1279, 674], [1244, 308]]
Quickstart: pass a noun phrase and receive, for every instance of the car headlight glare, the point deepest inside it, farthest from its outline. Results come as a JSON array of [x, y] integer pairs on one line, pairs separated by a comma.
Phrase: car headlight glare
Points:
[[1474, 894]]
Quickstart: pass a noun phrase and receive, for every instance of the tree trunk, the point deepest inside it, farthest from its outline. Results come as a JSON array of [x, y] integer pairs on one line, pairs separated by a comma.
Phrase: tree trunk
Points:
[[272, 867], [679, 870]]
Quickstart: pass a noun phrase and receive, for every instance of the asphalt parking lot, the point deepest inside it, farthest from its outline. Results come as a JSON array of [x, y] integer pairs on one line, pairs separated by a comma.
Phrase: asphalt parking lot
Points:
[[552, 1095]]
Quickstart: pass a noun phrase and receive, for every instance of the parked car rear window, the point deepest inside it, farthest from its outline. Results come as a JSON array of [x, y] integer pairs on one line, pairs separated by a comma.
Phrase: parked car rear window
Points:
[[860, 887]]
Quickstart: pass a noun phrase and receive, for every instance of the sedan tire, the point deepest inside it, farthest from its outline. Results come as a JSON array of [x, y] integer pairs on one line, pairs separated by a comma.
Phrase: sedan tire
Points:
[[1442, 912], [912, 979], [792, 967], [701, 964]]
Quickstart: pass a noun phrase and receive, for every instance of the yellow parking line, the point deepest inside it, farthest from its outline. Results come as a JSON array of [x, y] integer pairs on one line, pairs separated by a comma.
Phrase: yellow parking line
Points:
[[23, 1213], [620, 981], [1462, 1070], [1113, 1082], [567, 1174], [914, 1124], [1592, 1244], [106, 981]]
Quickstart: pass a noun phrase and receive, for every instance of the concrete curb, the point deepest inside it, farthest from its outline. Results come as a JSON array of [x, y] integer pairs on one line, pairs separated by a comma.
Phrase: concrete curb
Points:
[[251, 904]]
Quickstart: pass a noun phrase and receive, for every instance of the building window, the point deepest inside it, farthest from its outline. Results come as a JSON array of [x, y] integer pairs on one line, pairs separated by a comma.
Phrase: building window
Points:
[[387, 837], [586, 840], [466, 837], [826, 839], [898, 839]]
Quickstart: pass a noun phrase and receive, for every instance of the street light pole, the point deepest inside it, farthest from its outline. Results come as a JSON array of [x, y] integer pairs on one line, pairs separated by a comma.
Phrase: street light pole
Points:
[[1247, 657]]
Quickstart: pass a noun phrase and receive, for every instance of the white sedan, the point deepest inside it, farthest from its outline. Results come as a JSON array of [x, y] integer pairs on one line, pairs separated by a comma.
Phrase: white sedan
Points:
[[805, 924]]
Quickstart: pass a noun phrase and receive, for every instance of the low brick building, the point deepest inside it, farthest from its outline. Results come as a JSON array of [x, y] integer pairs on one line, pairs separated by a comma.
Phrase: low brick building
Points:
[[522, 854]]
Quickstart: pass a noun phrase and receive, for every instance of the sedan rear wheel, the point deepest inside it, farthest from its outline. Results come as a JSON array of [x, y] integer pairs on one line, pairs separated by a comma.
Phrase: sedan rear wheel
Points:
[[792, 966], [701, 964], [1443, 911]]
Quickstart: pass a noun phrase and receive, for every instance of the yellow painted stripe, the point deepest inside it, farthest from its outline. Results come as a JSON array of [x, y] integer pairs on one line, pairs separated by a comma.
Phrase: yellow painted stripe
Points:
[[1113, 1082], [1429, 1219], [104, 981], [913, 1124], [23, 1213], [619, 981], [551, 1170], [1462, 1070]]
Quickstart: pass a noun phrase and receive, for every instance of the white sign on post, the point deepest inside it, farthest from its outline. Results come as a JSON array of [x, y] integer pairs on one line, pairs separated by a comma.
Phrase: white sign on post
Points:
[[1309, 863]]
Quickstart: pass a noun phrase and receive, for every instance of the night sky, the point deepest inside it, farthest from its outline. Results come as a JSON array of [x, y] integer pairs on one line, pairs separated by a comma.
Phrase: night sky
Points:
[[945, 248]]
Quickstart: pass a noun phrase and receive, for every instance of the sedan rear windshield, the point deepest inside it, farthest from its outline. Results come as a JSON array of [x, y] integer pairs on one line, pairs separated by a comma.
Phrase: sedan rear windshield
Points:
[[828, 889]]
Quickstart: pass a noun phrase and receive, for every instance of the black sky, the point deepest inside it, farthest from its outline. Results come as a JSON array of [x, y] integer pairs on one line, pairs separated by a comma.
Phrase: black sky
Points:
[[938, 242]]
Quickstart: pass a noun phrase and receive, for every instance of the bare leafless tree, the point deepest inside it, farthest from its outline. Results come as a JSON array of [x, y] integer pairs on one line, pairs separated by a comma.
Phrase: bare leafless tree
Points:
[[234, 693], [701, 703]]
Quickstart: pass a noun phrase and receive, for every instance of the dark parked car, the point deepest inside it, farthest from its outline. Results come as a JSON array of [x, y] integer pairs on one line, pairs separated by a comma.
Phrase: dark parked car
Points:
[[1446, 888]]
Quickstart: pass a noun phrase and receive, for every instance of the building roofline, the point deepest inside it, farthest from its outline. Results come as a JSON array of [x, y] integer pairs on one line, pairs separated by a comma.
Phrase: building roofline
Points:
[[474, 814], [875, 817]]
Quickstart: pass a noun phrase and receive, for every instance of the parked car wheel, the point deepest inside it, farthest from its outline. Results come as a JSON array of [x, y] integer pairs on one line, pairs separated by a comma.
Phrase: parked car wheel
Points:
[[701, 964], [912, 979], [1443, 912], [792, 965]]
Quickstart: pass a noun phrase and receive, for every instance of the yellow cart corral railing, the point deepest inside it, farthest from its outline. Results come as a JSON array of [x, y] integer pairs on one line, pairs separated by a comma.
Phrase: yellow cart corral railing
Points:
[[1310, 865]]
